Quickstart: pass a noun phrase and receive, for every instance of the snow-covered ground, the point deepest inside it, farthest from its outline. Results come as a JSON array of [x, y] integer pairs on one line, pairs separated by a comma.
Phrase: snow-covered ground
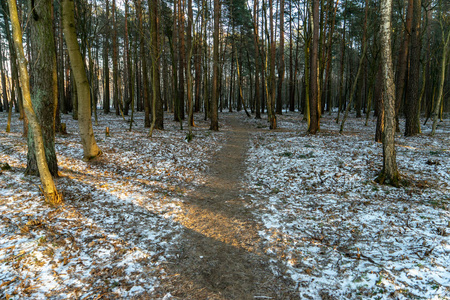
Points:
[[340, 234], [115, 230]]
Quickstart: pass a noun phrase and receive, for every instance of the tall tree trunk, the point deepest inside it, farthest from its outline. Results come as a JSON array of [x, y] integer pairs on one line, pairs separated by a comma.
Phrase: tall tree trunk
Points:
[[281, 67], [206, 98], [257, 68], [106, 95], [50, 193], [341, 71], [271, 91], [313, 78], [126, 67], [440, 96], [402, 63], [115, 61], [61, 66], [157, 105], [412, 126], [44, 94], [389, 174], [215, 92], [90, 148], [198, 71], [182, 53], [189, 52], [3, 79], [359, 99], [326, 90], [175, 61]]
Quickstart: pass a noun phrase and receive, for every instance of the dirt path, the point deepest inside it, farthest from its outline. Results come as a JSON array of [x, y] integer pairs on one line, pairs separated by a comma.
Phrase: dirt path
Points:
[[221, 255]]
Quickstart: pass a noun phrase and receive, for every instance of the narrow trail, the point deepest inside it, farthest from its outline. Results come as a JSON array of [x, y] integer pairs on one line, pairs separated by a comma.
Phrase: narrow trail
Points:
[[221, 254]]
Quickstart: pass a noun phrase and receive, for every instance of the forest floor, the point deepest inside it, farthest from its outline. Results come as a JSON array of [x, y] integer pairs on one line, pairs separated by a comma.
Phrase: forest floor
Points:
[[244, 213]]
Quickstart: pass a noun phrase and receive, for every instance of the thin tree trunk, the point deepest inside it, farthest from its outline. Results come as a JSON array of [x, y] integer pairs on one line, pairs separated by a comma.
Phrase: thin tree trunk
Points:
[[215, 92], [182, 57], [341, 71], [271, 90], [402, 63], [281, 67], [355, 84], [313, 78], [440, 96], [106, 95]]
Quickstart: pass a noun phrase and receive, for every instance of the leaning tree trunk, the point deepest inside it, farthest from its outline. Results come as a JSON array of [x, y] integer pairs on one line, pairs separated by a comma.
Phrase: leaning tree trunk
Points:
[[44, 95], [437, 105], [90, 148], [50, 193], [389, 174]]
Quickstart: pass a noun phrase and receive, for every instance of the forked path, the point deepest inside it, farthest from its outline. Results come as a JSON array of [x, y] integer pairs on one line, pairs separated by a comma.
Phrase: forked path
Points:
[[221, 253]]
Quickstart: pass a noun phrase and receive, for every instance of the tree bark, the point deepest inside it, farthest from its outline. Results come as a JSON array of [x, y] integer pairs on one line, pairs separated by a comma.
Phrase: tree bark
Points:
[[412, 126], [271, 90], [215, 92], [90, 148], [106, 94], [313, 78], [51, 195], [182, 53], [157, 105], [440, 96], [44, 94], [281, 67], [115, 58], [389, 174], [402, 63]]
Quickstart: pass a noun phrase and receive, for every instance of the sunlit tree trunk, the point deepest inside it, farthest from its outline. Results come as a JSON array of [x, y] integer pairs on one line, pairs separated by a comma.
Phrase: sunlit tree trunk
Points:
[[90, 148], [50, 193]]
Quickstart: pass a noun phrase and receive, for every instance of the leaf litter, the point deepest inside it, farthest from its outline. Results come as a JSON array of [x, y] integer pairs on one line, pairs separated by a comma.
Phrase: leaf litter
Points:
[[113, 235], [338, 233]]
